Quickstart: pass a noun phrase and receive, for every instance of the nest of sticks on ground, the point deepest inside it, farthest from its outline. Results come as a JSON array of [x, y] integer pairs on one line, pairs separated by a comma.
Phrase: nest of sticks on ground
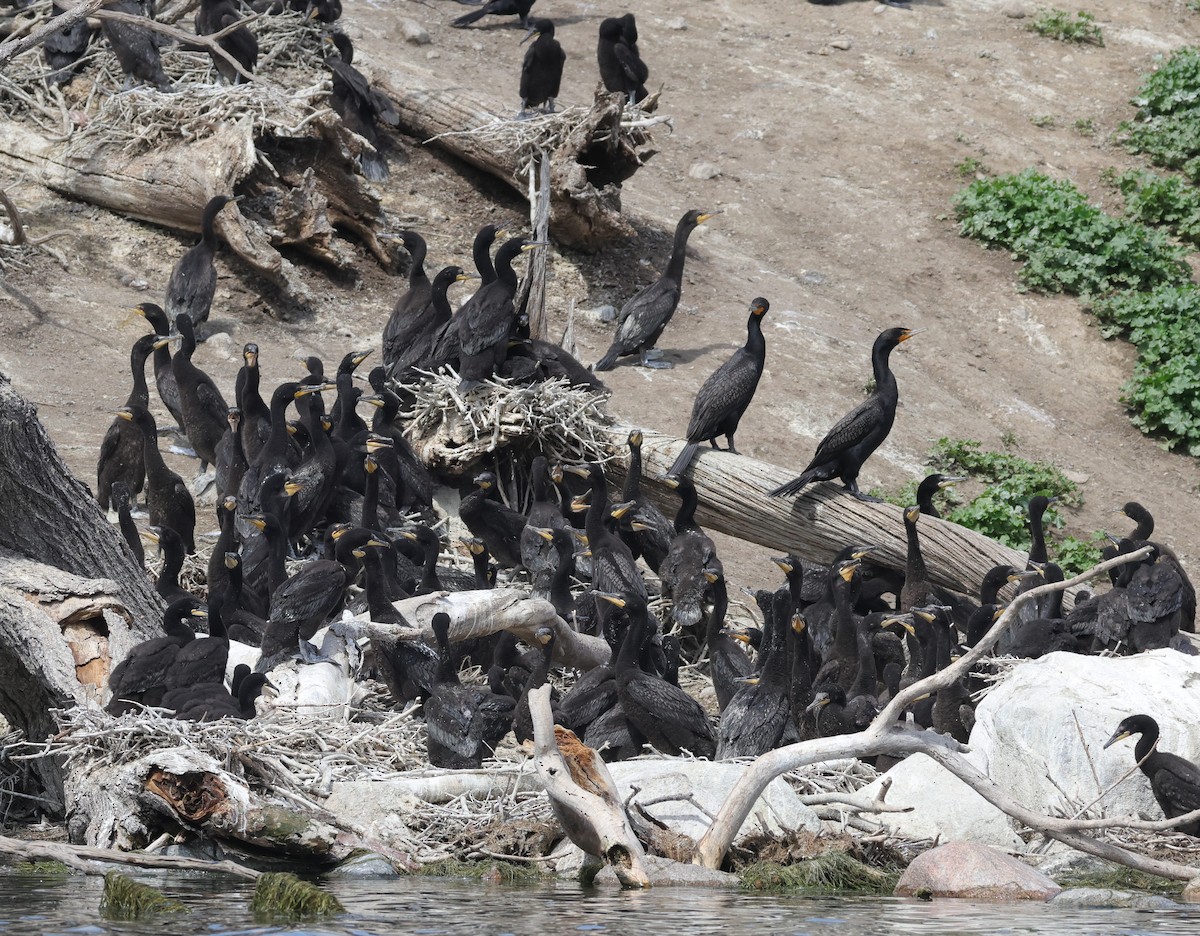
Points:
[[291, 84], [452, 432]]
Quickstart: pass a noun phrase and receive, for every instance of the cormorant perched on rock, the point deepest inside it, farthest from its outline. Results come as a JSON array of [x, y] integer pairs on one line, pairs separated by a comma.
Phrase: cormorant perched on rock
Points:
[[193, 282], [212, 17], [360, 105], [121, 451], [205, 412], [727, 393], [518, 8], [135, 46], [488, 318], [164, 375], [849, 444], [643, 318], [1175, 781], [64, 48], [541, 71], [668, 717], [167, 497], [621, 65]]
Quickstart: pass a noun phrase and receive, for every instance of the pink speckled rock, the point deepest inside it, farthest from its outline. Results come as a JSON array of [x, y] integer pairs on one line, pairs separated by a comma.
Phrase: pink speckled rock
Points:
[[964, 869]]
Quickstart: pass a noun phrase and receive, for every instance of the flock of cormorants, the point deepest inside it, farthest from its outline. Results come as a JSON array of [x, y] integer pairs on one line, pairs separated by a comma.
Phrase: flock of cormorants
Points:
[[352, 499]]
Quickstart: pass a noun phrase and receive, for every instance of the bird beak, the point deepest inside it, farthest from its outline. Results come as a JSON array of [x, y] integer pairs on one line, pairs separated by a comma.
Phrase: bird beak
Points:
[[531, 244], [670, 481], [1118, 736], [292, 488], [783, 564], [611, 598], [150, 536], [547, 535], [947, 482], [709, 214], [902, 621], [580, 471], [909, 332], [529, 34], [821, 699]]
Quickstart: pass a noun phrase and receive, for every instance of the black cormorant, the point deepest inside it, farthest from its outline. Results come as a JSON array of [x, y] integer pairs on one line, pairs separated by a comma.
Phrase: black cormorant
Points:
[[500, 527], [621, 65], [668, 717], [644, 529], [121, 504], [849, 444], [1174, 781], [167, 497], [928, 487], [518, 8], [727, 393], [170, 545], [360, 106], [256, 415], [135, 46], [205, 412], [193, 282], [164, 376], [216, 15], [138, 679], [692, 552], [537, 552], [643, 318], [121, 456], [64, 48], [542, 68]]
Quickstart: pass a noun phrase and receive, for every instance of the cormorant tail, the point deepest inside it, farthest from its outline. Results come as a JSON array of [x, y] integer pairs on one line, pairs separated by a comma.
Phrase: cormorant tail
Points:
[[468, 18], [684, 459], [374, 165], [609, 361], [795, 486]]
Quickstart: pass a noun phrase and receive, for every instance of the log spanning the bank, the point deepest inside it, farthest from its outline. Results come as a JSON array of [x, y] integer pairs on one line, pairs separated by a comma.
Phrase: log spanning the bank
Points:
[[819, 522], [591, 150]]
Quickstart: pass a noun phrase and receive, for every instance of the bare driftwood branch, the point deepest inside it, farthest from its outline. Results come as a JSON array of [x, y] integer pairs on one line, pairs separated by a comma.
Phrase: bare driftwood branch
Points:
[[583, 795], [885, 735], [818, 523], [92, 860], [11, 48], [208, 43]]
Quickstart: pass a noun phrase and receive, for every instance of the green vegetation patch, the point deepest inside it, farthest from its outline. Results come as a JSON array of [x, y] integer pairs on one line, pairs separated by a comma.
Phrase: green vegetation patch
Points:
[[127, 899], [834, 872], [285, 895], [41, 868], [1068, 244], [1167, 125], [1125, 879], [502, 872], [1000, 511], [1061, 25], [1162, 201], [1163, 395]]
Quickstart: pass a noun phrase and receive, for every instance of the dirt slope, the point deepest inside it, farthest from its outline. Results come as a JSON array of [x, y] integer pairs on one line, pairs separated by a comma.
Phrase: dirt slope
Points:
[[836, 132]]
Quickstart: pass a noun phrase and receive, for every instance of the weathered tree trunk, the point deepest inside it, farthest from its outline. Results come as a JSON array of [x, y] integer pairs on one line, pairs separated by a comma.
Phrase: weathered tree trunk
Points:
[[72, 596], [293, 199], [817, 524]]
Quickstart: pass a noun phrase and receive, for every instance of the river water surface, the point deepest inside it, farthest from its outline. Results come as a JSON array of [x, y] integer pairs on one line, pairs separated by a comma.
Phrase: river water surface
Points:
[[423, 906]]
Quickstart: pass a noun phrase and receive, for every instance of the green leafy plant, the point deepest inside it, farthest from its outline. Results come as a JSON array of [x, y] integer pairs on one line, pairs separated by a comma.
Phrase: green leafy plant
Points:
[[1045, 121], [1163, 395], [970, 167], [1074, 555], [1068, 244], [1166, 127], [1059, 24], [1163, 201], [1085, 127]]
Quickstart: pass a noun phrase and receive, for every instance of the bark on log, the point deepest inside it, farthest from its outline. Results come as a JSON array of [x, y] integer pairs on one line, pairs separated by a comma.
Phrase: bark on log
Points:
[[590, 155], [817, 524]]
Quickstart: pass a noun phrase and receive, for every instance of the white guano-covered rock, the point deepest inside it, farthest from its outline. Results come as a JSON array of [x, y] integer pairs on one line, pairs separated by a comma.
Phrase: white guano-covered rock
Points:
[[1040, 734]]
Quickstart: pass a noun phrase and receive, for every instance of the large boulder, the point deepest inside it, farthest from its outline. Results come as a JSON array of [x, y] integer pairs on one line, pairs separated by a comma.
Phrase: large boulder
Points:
[[941, 806], [977, 872], [1040, 733]]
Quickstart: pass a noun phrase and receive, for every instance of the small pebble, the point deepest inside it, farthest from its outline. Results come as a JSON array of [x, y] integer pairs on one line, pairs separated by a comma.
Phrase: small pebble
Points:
[[841, 42], [678, 24], [704, 170]]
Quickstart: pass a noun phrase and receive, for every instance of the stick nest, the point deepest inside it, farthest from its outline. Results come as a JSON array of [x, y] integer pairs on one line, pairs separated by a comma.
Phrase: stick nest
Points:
[[451, 431], [289, 91]]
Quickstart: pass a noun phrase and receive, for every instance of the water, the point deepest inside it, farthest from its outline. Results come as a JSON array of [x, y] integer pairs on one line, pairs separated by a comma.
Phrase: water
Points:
[[31, 904]]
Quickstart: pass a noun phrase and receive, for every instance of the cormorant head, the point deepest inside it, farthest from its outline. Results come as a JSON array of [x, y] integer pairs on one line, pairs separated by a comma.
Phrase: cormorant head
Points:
[[250, 354], [759, 307]]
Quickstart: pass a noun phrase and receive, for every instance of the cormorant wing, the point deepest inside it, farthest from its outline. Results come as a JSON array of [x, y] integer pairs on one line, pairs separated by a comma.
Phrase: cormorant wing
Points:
[[630, 63], [642, 315], [728, 390], [847, 432]]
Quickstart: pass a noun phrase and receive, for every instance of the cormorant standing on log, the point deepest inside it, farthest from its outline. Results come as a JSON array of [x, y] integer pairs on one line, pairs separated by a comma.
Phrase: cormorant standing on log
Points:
[[727, 392], [519, 8], [621, 67], [359, 105], [850, 443], [193, 282], [541, 71], [212, 17]]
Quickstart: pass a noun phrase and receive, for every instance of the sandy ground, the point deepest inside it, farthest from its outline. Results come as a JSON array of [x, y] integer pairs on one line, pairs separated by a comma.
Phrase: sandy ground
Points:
[[832, 137]]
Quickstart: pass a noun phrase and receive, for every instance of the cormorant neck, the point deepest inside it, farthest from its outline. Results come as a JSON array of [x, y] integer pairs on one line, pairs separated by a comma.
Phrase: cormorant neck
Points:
[[756, 344], [208, 222], [140, 394], [1037, 548], [866, 676], [845, 636], [597, 508], [914, 564], [276, 557], [172, 566], [370, 505], [679, 251], [716, 616], [378, 605], [480, 253], [633, 477], [504, 267], [685, 519], [417, 276], [1145, 743], [880, 353]]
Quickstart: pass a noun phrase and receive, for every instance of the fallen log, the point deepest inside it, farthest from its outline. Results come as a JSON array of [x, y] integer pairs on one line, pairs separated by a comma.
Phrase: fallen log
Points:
[[817, 524]]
